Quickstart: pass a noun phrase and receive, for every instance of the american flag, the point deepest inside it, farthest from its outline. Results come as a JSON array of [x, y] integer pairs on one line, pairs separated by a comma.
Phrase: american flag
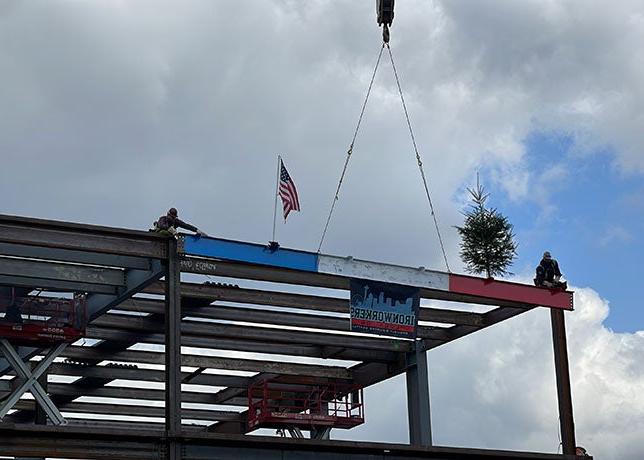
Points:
[[287, 191]]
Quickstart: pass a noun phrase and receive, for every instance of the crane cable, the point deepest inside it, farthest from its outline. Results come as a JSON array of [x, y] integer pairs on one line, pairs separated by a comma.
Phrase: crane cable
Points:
[[350, 150], [413, 139], [418, 159]]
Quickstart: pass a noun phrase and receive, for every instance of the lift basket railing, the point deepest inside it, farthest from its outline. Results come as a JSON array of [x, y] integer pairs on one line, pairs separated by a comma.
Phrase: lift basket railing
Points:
[[274, 404]]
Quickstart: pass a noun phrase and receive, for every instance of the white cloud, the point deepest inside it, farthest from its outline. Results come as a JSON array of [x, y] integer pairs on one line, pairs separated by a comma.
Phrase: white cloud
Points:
[[614, 234]]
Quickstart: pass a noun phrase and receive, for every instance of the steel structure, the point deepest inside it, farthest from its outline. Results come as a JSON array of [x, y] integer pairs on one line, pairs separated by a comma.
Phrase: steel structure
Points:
[[129, 389]]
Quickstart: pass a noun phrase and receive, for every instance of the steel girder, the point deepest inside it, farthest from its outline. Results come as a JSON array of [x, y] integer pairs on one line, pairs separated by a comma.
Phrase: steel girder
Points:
[[149, 444]]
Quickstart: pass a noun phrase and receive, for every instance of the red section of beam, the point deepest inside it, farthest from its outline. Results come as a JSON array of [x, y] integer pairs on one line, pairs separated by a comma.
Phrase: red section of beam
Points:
[[503, 290]]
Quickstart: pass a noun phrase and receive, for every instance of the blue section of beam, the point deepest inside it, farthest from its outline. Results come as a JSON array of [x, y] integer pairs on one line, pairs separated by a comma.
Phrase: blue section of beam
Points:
[[249, 253]]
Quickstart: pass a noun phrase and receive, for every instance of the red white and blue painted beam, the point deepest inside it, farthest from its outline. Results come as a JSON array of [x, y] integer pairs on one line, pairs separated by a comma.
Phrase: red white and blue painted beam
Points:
[[348, 267]]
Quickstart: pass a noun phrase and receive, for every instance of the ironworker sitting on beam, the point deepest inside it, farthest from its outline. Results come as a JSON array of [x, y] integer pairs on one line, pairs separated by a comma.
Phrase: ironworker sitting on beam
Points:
[[548, 273], [167, 225]]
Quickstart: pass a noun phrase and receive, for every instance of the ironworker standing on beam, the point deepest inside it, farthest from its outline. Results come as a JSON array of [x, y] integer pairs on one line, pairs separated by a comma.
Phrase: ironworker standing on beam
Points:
[[168, 224]]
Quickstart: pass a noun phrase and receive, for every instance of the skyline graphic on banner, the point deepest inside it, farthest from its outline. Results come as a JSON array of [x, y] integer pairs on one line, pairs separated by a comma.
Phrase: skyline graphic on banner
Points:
[[384, 308]]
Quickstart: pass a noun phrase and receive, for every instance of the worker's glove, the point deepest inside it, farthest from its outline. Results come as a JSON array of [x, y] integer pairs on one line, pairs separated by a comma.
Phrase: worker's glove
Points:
[[172, 230], [201, 233]]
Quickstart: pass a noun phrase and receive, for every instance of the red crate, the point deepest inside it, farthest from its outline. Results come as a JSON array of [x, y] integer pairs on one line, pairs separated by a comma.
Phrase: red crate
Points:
[[274, 404]]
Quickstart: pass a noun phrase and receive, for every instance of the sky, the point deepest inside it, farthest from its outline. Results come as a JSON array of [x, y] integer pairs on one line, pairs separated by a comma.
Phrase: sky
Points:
[[113, 111]]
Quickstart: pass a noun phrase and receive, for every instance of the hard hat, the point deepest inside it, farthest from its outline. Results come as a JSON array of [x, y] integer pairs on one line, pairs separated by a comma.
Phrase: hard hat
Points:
[[173, 212], [546, 255]]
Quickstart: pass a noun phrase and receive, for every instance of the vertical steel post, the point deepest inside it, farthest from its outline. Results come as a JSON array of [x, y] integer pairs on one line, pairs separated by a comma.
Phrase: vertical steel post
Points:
[[173, 352], [564, 396], [418, 406]]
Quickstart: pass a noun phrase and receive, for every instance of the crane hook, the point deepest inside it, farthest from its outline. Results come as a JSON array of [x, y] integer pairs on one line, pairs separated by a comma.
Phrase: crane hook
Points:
[[385, 13]]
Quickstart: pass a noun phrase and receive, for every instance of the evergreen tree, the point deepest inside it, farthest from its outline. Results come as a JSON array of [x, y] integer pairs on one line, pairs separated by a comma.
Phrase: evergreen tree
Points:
[[487, 241]]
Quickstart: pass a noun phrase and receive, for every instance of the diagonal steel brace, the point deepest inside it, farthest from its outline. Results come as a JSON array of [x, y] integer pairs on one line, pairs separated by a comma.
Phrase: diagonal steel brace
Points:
[[30, 382]]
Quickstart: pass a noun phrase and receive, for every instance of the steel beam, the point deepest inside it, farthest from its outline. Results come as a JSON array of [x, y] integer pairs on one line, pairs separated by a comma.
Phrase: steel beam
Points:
[[306, 302], [269, 317], [61, 271], [145, 394], [489, 319], [70, 255], [57, 285], [265, 334], [211, 362], [433, 284], [137, 411], [314, 351], [108, 443], [144, 375], [81, 237]]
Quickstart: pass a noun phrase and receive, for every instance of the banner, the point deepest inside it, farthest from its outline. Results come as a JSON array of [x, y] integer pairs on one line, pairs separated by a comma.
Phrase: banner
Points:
[[385, 309]]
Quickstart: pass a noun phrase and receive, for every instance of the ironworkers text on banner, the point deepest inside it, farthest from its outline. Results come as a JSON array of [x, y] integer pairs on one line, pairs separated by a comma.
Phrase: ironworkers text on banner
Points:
[[383, 308]]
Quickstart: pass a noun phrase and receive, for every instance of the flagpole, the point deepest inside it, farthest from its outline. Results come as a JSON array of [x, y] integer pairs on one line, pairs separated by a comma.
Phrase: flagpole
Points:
[[277, 184]]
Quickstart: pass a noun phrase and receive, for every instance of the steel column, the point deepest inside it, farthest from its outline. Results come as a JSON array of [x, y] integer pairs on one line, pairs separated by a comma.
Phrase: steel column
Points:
[[418, 406], [564, 396], [173, 352]]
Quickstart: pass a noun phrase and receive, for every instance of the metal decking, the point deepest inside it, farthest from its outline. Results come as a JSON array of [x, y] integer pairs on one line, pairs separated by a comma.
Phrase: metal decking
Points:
[[264, 315]]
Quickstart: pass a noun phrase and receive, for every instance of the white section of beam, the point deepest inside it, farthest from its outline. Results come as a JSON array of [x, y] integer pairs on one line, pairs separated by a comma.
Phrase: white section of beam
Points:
[[387, 273]]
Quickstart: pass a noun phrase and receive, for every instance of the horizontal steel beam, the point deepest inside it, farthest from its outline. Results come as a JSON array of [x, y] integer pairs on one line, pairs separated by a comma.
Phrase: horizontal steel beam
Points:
[[268, 317], [61, 271], [313, 351], [303, 301], [70, 255], [146, 443], [448, 286], [137, 411], [145, 394], [80, 237], [229, 269], [57, 286], [146, 375], [211, 362], [489, 319], [262, 334]]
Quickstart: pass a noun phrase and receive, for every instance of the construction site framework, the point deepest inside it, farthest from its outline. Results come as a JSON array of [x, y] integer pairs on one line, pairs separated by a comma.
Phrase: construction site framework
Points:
[[128, 390]]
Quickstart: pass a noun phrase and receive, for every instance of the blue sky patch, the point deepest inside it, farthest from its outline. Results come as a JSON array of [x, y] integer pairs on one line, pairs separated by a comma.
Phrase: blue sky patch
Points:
[[587, 213]]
